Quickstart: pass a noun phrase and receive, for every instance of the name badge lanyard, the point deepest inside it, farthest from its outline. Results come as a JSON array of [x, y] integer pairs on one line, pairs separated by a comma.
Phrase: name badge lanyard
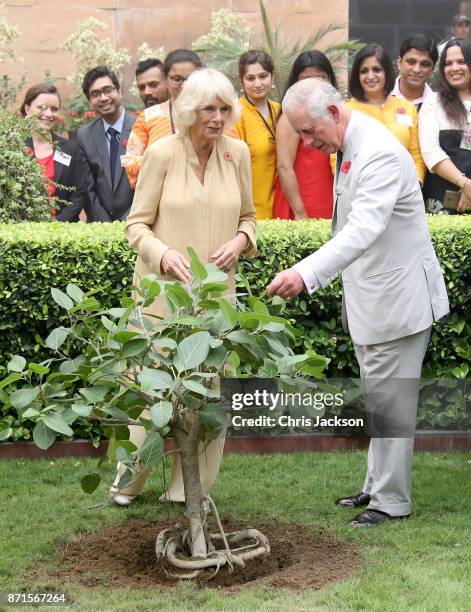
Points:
[[171, 115], [267, 125]]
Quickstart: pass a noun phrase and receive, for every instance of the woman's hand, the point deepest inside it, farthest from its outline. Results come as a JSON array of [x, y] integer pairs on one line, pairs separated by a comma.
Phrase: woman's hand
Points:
[[176, 265], [299, 216], [464, 204], [227, 256]]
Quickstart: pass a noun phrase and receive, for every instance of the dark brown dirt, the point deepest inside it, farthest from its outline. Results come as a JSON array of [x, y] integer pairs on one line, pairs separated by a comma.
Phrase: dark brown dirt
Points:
[[124, 556]]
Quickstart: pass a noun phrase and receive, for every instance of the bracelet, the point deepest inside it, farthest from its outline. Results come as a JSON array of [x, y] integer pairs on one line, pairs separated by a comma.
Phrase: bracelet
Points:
[[464, 178]]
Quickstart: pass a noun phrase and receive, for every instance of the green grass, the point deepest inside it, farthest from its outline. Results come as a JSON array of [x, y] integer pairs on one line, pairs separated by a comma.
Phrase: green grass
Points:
[[420, 564]]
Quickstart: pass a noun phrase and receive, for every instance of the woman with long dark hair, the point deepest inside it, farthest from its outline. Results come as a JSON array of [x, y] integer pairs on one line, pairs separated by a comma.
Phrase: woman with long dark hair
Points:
[[445, 132], [60, 158], [257, 127], [303, 188], [371, 83]]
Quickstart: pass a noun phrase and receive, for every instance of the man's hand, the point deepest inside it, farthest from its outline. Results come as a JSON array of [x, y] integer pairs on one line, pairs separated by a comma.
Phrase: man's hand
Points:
[[176, 265], [286, 284]]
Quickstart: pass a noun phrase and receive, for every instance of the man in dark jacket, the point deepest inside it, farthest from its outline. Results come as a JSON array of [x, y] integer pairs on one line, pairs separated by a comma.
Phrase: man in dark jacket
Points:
[[103, 145]]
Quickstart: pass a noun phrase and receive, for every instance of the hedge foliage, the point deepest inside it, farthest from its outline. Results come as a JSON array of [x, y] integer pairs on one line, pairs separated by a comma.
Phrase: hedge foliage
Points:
[[37, 256]]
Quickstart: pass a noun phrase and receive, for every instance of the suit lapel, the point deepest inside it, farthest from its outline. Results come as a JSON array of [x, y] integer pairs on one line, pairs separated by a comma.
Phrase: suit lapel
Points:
[[127, 125], [100, 143]]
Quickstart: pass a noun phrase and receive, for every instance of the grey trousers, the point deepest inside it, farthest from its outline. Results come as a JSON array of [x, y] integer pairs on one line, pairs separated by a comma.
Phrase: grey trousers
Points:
[[390, 372]]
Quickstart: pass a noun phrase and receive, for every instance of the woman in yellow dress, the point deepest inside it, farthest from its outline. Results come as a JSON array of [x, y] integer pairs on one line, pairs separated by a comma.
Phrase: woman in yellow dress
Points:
[[371, 83], [257, 127]]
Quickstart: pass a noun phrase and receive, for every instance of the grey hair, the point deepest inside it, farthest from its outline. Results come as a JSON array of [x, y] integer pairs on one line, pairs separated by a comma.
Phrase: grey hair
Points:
[[201, 88], [314, 95]]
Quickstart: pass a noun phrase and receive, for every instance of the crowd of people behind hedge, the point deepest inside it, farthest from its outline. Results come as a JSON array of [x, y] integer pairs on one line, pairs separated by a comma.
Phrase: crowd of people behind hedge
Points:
[[93, 176]]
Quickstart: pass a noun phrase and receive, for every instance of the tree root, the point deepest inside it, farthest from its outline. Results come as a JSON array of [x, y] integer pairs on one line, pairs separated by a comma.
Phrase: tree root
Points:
[[172, 544]]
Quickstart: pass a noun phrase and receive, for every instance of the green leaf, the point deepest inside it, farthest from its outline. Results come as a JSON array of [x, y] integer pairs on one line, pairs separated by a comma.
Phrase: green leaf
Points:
[[23, 397], [94, 394], [38, 368], [151, 451], [135, 347], [57, 338], [178, 296], [61, 298], [5, 433], [9, 379], [198, 269], [75, 292], [215, 275], [83, 410], [43, 436], [90, 482], [30, 412], [55, 421], [124, 336], [228, 311], [196, 387], [161, 413], [192, 351], [164, 343], [16, 364], [154, 379]]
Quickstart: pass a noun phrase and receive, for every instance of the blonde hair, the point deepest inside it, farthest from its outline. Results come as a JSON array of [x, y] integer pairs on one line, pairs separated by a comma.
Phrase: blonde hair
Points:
[[201, 88]]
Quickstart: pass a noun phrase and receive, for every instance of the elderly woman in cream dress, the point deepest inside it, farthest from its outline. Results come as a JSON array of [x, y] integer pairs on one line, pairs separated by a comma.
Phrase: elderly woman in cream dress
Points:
[[194, 189]]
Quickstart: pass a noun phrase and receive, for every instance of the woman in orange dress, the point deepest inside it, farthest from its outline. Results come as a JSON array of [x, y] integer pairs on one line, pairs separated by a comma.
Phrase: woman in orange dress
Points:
[[303, 188], [157, 121]]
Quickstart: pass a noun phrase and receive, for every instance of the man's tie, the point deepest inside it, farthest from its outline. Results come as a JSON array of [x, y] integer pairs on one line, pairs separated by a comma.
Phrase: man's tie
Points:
[[114, 146]]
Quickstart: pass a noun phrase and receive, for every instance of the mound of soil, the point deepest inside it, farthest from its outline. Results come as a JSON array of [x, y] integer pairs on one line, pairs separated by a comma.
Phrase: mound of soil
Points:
[[124, 556]]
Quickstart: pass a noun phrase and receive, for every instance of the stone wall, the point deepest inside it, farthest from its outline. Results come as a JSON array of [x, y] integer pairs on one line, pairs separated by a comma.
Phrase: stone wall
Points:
[[44, 24]]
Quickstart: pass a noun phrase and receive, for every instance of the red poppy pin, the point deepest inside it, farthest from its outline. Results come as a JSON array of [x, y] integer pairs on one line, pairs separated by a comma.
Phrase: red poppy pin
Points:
[[30, 151], [125, 143], [227, 155], [401, 111], [345, 167]]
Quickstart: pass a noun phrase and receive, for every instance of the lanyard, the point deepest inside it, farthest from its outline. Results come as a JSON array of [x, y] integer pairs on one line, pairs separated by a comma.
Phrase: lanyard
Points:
[[267, 125]]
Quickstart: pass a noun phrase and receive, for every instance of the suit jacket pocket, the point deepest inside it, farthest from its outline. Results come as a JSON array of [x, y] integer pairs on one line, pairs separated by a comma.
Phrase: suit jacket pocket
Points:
[[436, 288], [385, 273]]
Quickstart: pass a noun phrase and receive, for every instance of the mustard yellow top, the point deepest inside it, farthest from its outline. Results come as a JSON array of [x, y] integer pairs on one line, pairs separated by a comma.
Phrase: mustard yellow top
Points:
[[399, 116], [252, 129]]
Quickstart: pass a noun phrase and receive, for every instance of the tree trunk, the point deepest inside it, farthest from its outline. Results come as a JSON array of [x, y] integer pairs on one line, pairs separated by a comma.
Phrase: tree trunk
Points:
[[188, 443]]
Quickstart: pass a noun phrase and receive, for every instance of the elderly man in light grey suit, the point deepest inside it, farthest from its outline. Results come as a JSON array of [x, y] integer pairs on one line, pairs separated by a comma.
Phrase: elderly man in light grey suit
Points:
[[393, 288]]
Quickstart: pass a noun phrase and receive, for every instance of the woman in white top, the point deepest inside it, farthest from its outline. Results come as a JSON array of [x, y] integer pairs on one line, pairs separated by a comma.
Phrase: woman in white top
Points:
[[445, 133]]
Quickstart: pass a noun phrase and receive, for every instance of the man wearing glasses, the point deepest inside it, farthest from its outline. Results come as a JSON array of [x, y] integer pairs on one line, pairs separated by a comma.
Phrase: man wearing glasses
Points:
[[103, 145]]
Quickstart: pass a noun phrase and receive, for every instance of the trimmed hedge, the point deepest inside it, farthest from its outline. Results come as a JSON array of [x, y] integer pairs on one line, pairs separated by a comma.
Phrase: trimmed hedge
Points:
[[37, 256]]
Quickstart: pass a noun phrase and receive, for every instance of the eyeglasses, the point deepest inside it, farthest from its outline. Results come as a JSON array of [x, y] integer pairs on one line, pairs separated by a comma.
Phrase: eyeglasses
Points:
[[177, 79], [104, 91]]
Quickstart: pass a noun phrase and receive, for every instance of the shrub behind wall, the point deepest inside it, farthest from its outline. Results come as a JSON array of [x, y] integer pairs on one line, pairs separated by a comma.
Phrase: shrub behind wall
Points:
[[35, 257]]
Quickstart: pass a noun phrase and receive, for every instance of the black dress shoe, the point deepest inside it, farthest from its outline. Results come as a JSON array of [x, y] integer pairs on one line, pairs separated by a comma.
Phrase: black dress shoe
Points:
[[362, 499], [372, 518]]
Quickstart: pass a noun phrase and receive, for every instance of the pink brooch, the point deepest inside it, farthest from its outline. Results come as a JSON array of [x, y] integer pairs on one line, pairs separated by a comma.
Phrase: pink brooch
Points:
[[345, 167], [227, 156], [401, 111]]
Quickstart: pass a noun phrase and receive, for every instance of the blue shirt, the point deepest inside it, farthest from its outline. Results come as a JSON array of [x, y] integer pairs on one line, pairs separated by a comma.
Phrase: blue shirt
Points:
[[118, 126]]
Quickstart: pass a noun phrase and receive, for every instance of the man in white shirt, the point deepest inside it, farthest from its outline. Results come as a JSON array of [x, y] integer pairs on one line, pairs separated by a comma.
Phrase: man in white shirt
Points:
[[416, 62], [393, 288]]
